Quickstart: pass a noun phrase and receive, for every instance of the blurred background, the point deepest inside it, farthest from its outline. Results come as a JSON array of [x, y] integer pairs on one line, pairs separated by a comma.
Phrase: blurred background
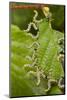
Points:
[[21, 17]]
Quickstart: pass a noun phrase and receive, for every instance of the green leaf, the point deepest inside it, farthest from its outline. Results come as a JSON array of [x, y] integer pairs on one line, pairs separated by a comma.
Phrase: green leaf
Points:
[[49, 49]]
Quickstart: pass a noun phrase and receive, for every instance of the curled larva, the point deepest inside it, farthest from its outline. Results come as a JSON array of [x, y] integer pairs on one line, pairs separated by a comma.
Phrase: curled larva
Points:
[[27, 65], [60, 57], [40, 73], [33, 55], [28, 57], [29, 26], [60, 83], [49, 84], [60, 41], [32, 72], [33, 64], [38, 77], [35, 17], [34, 37], [34, 26], [36, 44], [43, 75]]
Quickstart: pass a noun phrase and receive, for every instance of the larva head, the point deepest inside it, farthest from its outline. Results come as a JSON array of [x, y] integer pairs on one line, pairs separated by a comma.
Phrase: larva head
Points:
[[46, 11]]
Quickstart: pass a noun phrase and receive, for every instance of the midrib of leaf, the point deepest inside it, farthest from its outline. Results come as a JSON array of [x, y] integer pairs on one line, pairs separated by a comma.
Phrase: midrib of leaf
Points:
[[49, 55], [43, 44], [43, 54]]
